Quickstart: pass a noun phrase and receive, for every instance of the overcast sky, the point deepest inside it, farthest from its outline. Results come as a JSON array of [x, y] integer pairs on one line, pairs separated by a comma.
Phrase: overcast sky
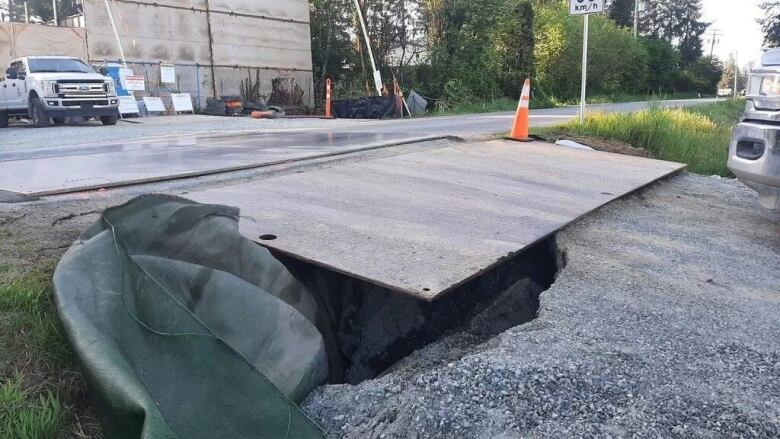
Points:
[[737, 22]]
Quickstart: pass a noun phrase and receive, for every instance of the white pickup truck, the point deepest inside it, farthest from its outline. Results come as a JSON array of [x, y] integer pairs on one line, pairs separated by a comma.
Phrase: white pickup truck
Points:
[[754, 154], [52, 88]]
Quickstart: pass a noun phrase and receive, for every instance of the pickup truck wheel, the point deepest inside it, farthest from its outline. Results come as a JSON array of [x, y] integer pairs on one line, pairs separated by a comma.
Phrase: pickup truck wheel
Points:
[[3, 120], [109, 120], [39, 117], [58, 120]]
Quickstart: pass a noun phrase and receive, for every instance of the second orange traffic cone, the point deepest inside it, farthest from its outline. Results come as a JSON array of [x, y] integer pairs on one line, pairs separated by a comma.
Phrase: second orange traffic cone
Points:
[[520, 127], [328, 98]]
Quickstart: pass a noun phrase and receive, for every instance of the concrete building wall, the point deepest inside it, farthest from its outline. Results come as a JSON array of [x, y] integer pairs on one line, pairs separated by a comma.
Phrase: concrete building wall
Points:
[[271, 37]]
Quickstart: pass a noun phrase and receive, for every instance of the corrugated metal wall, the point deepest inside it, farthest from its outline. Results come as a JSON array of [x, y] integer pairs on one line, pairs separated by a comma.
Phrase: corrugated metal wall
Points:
[[269, 36], [19, 39]]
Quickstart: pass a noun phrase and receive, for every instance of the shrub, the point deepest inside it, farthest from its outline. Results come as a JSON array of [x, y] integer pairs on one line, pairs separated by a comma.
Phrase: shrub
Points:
[[618, 62]]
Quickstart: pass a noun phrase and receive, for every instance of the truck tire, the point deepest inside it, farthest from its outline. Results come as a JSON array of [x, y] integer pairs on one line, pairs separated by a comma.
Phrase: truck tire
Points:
[[3, 120], [58, 120], [40, 118], [109, 120]]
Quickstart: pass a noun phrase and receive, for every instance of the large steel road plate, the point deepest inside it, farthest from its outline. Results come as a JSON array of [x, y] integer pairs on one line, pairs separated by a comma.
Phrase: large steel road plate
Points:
[[425, 222]]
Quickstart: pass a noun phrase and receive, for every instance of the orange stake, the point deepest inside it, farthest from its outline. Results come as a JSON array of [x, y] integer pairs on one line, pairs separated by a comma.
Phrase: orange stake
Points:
[[328, 104], [520, 127]]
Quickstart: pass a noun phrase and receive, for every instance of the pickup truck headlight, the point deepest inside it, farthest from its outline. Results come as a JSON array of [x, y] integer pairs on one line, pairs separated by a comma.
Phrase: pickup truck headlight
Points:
[[111, 87], [764, 85], [50, 89]]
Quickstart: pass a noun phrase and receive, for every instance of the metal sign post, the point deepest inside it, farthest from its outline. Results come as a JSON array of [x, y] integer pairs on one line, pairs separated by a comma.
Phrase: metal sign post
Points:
[[584, 87], [585, 8]]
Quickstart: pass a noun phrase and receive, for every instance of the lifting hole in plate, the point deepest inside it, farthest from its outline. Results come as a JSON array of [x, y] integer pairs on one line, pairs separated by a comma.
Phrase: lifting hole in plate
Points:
[[267, 237]]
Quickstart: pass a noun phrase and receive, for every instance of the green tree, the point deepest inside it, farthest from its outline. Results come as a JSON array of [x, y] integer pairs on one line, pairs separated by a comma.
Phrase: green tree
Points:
[[689, 29], [729, 70], [618, 62], [678, 21], [701, 76], [511, 56], [770, 23], [332, 48], [42, 10], [478, 49], [622, 12], [663, 62]]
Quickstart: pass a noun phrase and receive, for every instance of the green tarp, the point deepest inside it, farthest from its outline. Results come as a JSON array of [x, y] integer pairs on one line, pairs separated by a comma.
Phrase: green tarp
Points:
[[185, 329]]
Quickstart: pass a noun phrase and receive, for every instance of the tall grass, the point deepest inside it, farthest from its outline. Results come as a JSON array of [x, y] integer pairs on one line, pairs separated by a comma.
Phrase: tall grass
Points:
[[26, 304], [724, 113], [27, 414], [36, 364], [698, 137]]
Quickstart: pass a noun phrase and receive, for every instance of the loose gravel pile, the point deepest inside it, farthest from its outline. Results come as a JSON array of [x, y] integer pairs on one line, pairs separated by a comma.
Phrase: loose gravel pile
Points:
[[665, 322]]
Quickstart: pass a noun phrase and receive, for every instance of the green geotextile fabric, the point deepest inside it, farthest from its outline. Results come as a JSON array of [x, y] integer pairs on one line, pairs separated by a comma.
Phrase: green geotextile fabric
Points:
[[185, 329]]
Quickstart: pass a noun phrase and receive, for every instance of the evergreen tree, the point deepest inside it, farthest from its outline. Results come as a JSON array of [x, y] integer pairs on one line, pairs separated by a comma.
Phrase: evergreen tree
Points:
[[479, 49], [770, 24], [689, 29], [653, 19], [678, 22], [511, 52], [622, 12], [331, 43]]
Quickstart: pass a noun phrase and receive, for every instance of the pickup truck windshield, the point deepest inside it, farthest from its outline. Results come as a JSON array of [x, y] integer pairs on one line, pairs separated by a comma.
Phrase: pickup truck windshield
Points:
[[58, 65]]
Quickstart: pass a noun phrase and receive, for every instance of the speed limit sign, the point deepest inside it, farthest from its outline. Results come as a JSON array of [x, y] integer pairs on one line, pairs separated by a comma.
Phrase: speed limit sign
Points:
[[583, 7]]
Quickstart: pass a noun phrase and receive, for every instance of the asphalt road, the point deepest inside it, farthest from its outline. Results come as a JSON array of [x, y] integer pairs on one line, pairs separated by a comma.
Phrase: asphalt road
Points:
[[23, 137]]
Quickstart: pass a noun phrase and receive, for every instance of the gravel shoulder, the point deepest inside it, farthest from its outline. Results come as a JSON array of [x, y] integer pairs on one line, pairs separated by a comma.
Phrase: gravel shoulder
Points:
[[664, 322]]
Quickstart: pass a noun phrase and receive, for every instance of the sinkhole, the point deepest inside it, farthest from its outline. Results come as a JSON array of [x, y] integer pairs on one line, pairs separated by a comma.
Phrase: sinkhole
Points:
[[368, 328]]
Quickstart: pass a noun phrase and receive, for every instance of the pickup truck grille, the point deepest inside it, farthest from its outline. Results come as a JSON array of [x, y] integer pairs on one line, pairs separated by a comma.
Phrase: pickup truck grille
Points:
[[78, 90], [79, 103]]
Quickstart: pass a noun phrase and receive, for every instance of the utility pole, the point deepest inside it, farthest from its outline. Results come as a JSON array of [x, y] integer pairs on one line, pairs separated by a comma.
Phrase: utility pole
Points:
[[736, 74], [636, 18], [714, 39], [116, 32], [54, 8], [377, 74]]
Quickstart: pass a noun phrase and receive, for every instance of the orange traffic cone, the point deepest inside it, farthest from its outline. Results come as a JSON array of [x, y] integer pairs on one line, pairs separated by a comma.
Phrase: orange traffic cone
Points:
[[520, 127], [328, 97]]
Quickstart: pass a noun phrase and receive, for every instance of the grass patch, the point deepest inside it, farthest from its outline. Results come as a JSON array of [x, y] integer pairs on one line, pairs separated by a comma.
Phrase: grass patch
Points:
[[724, 113], [42, 394], [26, 306], [617, 98], [698, 137], [27, 414]]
